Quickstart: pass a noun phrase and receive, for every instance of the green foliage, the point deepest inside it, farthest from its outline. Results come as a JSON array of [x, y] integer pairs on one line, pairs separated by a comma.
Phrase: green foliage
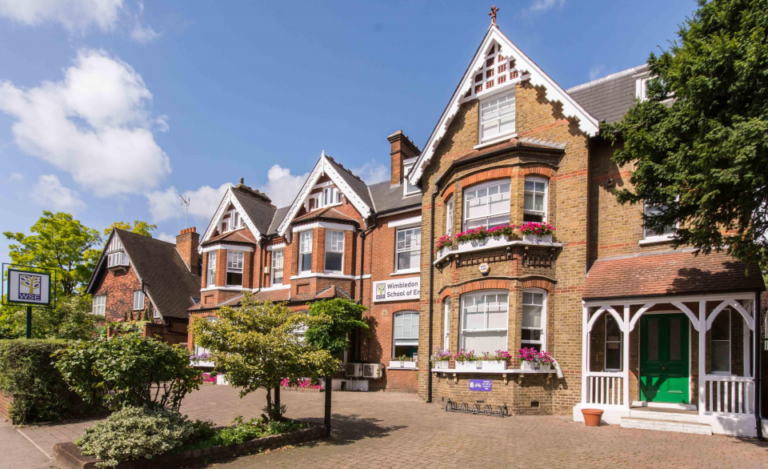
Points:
[[337, 318], [128, 370], [59, 242], [258, 345], [70, 319], [139, 227], [240, 432], [136, 433], [28, 374], [703, 154]]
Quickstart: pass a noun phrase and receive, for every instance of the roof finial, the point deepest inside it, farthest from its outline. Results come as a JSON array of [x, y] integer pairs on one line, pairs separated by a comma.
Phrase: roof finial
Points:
[[242, 180], [492, 14], [322, 154]]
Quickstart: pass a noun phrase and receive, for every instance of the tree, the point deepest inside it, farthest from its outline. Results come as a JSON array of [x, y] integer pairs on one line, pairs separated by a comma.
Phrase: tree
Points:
[[70, 319], [258, 345], [699, 143], [139, 227], [340, 317], [59, 242]]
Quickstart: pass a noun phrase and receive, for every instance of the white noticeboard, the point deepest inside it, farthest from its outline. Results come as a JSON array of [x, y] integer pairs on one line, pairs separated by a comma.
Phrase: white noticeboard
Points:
[[397, 290], [29, 287]]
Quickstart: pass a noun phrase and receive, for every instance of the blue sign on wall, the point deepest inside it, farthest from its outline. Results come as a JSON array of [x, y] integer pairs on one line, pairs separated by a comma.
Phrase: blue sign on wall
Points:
[[480, 384]]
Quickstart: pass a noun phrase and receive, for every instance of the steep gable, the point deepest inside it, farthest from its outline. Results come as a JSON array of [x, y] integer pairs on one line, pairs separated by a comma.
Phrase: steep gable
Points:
[[253, 207]]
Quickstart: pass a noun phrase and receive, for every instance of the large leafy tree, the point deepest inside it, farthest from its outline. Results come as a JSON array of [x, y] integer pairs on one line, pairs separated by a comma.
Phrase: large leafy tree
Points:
[[699, 143], [57, 242], [70, 319], [340, 318], [258, 345], [139, 227]]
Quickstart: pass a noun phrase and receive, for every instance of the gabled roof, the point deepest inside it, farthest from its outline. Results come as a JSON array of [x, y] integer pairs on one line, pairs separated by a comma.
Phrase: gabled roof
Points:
[[232, 237], [277, 219], [350, 185], [571, 108], [260, 213], [168, 282], [328, 213], [609, 98], [388, 198], [254, 207]]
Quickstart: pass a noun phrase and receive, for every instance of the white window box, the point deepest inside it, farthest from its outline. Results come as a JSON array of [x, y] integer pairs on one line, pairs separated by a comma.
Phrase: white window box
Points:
[[494, 365], [468, 366], [442, 365], [487, 243], [222, 379], [536, 239], [531, 366], [402, 364], [442, 253]]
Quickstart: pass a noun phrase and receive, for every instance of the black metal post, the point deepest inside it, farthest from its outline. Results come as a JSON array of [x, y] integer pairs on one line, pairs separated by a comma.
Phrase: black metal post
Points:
[[756, 355], [29, 322], [328, 388], [431, 292]]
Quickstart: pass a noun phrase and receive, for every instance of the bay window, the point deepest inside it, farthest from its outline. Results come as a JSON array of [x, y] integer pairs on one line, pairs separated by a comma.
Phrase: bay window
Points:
[[211, 269], [720, 343], [277, 267], [334, 251], [535, 200], [305, 252], [138, 300], [484, 321], [235, 268], [497, 117], [406, 335], [100, 305], [613, 338], [408, 249], [534, 320], [487, 205]]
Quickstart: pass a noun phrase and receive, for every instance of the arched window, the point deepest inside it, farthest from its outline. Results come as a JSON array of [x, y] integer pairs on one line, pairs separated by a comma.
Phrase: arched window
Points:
[[406, 334]]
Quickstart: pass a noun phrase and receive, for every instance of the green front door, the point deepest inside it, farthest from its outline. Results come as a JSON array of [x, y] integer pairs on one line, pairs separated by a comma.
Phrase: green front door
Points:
[[664, 367]]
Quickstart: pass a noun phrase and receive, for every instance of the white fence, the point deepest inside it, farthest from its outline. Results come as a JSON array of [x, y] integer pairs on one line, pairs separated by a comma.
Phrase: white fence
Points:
[[605, 388], [730, 394]]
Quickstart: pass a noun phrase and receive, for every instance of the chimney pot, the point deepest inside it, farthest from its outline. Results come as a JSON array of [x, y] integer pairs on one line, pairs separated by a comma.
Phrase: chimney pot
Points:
[[242, 180], [187, 243]]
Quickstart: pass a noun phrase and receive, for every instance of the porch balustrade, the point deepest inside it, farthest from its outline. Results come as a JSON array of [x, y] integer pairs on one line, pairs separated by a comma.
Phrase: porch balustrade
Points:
[[730, 394], [606, 388]]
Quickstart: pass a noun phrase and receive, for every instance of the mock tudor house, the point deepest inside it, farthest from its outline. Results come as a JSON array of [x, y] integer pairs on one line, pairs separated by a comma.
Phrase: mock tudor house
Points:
[[138, 276], [634, 325], [340, 238]]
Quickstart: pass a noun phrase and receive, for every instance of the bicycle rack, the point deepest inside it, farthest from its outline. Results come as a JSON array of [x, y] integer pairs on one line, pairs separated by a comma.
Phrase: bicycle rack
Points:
[[500, 411]]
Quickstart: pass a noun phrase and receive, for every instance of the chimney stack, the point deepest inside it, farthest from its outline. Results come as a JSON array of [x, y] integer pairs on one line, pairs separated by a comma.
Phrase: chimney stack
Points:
[[402, 149], [186, 243]]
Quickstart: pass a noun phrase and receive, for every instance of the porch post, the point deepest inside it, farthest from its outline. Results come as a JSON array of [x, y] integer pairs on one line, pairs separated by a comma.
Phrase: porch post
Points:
[[584, 352], [625, 364], [702, 356]]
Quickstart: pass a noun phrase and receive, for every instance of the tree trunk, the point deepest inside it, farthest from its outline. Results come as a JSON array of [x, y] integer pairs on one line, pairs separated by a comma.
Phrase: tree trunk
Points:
[[278, 414]]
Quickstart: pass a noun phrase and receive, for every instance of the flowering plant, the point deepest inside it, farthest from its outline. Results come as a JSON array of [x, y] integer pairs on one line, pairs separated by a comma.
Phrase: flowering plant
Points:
[[441, 355], [498, 355], [502, 230], [442, 242], [463, 356], [537, 228], [208, 378], [545, 358], [305, 383], [202, 356], [528, 355], [473, 234], [404, 358]]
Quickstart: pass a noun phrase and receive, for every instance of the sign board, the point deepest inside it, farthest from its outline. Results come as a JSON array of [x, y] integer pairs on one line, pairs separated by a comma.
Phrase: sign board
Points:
[[32, 288], [480, 385], [397, 290]]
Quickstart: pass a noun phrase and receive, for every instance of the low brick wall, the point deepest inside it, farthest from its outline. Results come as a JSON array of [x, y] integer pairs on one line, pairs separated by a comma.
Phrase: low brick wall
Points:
[[298, 389], [6, 401], [68, 455]]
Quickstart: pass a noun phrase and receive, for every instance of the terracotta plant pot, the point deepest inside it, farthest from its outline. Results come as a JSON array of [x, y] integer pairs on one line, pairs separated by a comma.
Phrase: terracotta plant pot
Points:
[[592, 417]]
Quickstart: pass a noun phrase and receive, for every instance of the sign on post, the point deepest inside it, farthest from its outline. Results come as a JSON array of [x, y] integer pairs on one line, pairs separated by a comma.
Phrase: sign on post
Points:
[[396, 290], [30, 288]]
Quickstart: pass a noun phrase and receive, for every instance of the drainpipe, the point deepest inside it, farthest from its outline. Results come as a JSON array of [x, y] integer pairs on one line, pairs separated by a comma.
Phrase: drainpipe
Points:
[[363, 234], [431, 290], [757, 367]]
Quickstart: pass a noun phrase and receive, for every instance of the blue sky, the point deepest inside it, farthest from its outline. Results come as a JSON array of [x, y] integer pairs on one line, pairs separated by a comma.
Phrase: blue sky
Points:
[[110, 112]]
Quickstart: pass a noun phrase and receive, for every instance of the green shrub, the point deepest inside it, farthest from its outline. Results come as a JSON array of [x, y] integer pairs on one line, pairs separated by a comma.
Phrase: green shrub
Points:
[[129, 370], [240, 432], [136, 433], [39, 392]]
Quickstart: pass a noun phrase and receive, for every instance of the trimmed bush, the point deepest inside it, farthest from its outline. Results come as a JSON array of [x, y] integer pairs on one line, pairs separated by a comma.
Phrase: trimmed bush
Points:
[[28, 374]]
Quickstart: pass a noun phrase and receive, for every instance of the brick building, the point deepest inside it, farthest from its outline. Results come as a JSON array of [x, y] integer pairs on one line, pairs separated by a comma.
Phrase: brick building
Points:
[[138, 276], [632, 324], [339, 238]]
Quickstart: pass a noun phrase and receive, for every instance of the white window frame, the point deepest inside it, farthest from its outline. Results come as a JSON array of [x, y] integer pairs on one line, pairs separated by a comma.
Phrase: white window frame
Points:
[[408, 189], [274, 264], [488, 216], [117, 258], [730, 344], [508, 96], [652, 237], [462, 317], [332, 244], [211, 273], [115, 244], [620, 342], [401, 314], [329, 196], [542, 213], [398, 250], [236, 267], [305, 247], [449, 216], [155, 313], [446, 323], [138, 300], [543, 337], [99, 305]]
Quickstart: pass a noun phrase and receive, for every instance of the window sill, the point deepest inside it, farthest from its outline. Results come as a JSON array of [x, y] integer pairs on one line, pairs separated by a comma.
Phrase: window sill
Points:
[[496, 243], [405, 272], [228, 287], [496, 372], [495, 141], [654, 240], [402, 369]]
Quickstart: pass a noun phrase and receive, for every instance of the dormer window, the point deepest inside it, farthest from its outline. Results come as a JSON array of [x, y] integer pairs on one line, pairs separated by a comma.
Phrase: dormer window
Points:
[[234, 222], [409, 188], [328, 197], [117, 259]]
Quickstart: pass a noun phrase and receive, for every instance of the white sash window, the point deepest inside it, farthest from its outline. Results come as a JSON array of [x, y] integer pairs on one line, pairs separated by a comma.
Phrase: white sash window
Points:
[[334, 251], [406, 335], [535, 200], [534, 320], [277, 267], [100, 305], [138, 300], [305, 252], [487, 205], [484, 322], [408, 249], [235, 268], [497, 117], [212, 268]]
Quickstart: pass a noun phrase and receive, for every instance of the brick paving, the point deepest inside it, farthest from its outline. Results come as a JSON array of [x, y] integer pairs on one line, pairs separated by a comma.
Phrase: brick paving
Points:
[[393, 430]]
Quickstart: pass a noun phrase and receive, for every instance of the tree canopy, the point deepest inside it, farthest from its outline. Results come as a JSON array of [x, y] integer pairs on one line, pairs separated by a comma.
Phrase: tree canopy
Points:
[[699, 142], [341, 317], [139, 227]]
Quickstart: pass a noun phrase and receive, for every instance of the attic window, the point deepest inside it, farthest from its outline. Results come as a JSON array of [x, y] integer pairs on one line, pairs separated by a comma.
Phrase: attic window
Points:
[[329, 197], [410, 189]]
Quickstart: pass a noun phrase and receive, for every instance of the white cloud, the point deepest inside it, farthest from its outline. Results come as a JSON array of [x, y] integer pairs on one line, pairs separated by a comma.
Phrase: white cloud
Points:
[[543, 5], [372, 172], [49, 193], [166, 205], [282, 186], [72, 14], [16, 177], [144, 34], [94, 123], [166, 237], [596, 71]]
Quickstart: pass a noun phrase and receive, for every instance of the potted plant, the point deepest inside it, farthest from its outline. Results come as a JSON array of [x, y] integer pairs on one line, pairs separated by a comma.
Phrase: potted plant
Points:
[[529, 359], [468, 360], [592, 417], [496, 361], [441, 358], [537, 233], [545, 361], [443, 246], [402, 361], [482, 237]]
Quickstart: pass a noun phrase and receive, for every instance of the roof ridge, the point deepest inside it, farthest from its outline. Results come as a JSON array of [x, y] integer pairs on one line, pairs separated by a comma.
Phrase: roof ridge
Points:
[[604, 79], [143, 236], [345, 169]]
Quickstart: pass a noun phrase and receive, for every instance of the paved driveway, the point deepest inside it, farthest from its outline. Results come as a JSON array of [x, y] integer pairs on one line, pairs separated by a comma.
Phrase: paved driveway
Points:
[[390, 430]]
